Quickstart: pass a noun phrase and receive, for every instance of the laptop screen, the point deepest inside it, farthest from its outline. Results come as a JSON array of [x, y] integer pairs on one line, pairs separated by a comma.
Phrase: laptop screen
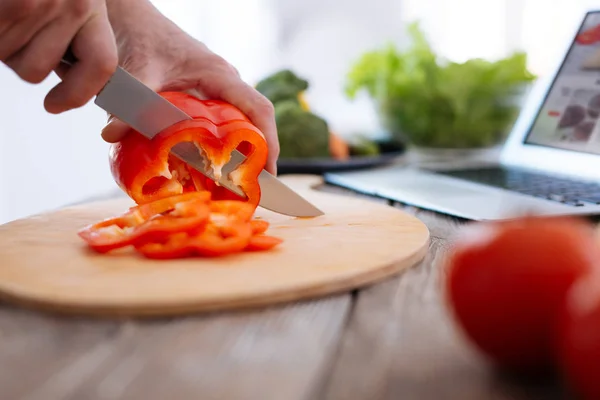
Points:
[[570, 116]]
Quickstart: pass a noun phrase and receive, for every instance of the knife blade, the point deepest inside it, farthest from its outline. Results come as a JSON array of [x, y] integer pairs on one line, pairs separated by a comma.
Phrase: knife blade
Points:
[[140, 107]]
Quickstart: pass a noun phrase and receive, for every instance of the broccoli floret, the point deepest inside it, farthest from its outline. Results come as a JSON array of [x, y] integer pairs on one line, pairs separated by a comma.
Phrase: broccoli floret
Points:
[[282, 86], [301, 133]]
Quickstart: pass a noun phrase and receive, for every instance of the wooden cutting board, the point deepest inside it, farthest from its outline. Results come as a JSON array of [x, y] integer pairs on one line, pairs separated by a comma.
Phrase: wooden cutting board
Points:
[[43, 263]]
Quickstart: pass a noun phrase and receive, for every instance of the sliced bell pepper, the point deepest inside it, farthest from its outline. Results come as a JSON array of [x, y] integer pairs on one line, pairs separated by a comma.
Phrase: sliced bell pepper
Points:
[[259, 226], [213, 241], [173, 204], [146, 170], [179, 211], [228, 209], [152, 221], [229, 230], [259, 241], [262, 242]]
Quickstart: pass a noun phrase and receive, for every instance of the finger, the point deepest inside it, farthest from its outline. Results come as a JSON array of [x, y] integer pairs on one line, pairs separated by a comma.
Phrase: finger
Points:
[[96, 52], [115, 130], [11, 15], [21, 28], [61, 70], [43, 53], [258, 108]]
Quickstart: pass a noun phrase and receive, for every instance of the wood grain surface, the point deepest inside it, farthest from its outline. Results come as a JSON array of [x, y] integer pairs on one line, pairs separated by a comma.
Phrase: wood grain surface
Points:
[[43, 262], [392, 340]]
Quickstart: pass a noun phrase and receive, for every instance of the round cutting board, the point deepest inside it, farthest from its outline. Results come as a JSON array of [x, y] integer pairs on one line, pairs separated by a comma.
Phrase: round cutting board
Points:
[[43, 263]]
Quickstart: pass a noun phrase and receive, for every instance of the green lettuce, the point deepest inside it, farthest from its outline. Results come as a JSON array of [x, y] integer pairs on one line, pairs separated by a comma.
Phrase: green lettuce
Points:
[[432, 102]]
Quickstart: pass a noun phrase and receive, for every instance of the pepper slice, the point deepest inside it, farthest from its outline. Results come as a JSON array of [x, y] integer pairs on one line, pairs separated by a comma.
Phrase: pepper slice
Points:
[[179, 211], [262, 243], [259, 241], [152, 221], [229, 230], [215, 240], [228, 209], [146, 170], [259, 226]]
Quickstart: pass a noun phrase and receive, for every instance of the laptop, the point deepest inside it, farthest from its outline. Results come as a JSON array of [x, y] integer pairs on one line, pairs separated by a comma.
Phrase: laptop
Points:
[[548, 165]]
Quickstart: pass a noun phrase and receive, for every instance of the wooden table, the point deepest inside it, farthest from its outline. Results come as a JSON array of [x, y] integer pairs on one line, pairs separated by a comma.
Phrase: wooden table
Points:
[[393, 340]]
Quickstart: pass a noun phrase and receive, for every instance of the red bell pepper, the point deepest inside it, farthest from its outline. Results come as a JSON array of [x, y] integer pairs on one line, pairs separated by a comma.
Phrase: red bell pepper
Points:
[[232, 209], [259, 226], [259, 241], [152, 221], [262, 242], [230, 230], [215, 240], [147, 171], [179, 211]]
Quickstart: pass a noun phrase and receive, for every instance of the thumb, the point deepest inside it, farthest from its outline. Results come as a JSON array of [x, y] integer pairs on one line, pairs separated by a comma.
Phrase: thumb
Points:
[[115, 130]]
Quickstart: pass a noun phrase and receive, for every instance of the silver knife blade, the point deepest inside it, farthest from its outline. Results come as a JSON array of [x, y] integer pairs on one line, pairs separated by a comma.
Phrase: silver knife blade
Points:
[[147, 112]]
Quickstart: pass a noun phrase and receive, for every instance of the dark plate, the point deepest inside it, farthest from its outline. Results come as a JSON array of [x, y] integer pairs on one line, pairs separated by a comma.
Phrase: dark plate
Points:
[[389, 152]]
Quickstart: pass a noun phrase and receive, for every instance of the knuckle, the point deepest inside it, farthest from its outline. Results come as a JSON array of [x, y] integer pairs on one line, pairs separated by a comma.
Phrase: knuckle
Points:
[[33, 73], [275, 146], [275, 149], [263, 106], [233, 70], [23, 8], [107, 64], [81, 8], [51, 4], [221, 65], [102, 63]]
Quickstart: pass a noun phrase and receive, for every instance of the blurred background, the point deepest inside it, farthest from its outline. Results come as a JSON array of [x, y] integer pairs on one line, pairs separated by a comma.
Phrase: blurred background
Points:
[[48, 161]]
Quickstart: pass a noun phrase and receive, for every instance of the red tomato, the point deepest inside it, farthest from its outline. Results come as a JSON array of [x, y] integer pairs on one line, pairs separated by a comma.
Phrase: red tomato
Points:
[[579, 338], [505, 282]]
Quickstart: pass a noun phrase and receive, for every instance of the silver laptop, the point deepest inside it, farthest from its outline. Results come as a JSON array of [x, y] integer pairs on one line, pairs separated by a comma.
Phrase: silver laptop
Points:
[[549, 165]]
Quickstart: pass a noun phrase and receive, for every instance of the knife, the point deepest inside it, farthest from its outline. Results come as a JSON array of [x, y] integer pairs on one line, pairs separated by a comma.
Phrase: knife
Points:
[[140, 107]]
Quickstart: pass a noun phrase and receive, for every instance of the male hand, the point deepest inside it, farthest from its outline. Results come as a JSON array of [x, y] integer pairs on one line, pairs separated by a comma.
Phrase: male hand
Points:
[[161, 55], [35, 34]]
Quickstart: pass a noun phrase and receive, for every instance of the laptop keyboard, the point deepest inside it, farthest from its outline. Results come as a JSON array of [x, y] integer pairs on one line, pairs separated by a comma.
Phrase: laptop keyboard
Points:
[[559, 189]]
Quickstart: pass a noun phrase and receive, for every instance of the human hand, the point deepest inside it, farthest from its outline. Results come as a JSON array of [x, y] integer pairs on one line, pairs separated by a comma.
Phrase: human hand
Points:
[[165, 58], [35, 34]]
